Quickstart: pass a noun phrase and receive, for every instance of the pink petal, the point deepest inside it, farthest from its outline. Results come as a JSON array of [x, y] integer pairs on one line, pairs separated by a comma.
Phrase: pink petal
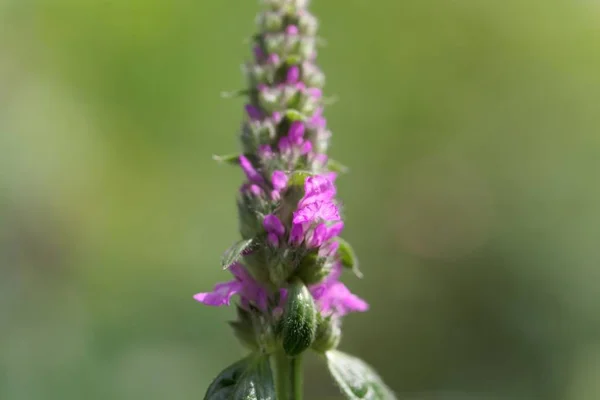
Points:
[[334, 230], [221, 294], [338, 300], [317, 188]]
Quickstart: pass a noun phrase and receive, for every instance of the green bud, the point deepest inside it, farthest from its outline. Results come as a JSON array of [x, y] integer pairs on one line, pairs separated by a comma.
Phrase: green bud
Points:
[[299, 322], [328, 335]]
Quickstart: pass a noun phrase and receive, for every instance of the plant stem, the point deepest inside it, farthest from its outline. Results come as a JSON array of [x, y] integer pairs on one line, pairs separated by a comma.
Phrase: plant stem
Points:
[[280, 366], [287, 375], [296, 378]]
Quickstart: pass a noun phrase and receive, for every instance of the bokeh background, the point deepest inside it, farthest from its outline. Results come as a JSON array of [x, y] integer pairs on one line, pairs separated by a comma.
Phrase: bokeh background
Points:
[[472, 132]]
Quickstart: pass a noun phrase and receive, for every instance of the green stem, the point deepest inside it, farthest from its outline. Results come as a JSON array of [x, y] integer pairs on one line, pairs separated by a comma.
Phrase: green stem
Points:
[[296, 378], [287, 375], [280, 366]]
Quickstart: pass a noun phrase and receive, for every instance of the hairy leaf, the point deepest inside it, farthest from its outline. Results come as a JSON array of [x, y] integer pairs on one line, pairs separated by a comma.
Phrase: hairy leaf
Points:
[[357, 379]]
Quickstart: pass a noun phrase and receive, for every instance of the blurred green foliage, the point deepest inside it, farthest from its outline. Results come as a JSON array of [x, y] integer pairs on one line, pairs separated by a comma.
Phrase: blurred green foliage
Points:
[[471, 129]]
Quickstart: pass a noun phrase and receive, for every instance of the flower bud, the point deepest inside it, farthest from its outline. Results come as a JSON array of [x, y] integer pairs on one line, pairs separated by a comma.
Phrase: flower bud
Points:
[[299, 321], [328, 335]]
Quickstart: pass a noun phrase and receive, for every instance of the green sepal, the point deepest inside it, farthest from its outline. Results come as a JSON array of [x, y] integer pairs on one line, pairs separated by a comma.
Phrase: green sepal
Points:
[[233, 159], [235, 252], [336, 166], [257, 381], [347, 257], [243, 328], [247, 379], [236, 93], [312, 269], [356, 379]]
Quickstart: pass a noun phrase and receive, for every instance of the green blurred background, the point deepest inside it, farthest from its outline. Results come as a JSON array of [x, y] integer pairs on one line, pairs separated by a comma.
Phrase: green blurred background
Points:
[[472, 132]]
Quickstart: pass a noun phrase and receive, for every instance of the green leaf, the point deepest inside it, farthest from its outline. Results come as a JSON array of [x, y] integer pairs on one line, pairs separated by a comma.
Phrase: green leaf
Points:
[[295, 115], [224, 384], [257, 382], [235, 252], [348, 257], [235, 93], [357, 379], [233, 159], [336, 166], [247, 379]]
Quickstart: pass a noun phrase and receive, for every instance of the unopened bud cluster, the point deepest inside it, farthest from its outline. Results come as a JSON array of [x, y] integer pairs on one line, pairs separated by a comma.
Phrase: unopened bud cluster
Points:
[[287, 266]]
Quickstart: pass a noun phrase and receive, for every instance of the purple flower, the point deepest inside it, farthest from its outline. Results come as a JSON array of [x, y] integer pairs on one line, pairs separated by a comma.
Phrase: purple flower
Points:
[[334, 230], [274, 59], [334, 298], [293, 74], [296, 132], [273, 239], [317, 236], [250, 171], [317, 120], [273, 224], [284, 145], [306, 147], [318, 188], [329, 249], [291, 30], [296, 235], [317, 211], [221, 294], [315, 92], [265, 151], [284, 230], [323, 233], [253, 112], [243, 285], [279, 180]]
